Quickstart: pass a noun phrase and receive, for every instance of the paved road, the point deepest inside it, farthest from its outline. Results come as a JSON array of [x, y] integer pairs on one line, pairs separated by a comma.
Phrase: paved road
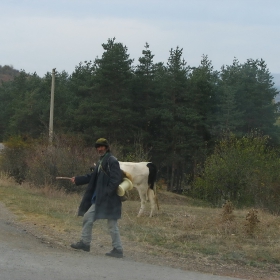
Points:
[[24, 257]]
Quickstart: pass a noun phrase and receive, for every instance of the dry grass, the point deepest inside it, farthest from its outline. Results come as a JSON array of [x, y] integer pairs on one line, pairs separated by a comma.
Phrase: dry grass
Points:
[[184, 233]]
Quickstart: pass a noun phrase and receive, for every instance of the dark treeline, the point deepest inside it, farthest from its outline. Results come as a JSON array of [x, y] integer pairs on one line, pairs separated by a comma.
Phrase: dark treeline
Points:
[[176, 111]]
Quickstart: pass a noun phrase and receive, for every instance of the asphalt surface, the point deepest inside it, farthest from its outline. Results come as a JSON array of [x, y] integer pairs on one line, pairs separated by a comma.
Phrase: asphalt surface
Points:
[[25, 257]]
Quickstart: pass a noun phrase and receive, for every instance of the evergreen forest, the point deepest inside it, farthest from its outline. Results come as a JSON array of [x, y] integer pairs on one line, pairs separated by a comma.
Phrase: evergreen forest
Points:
[[177, 112]]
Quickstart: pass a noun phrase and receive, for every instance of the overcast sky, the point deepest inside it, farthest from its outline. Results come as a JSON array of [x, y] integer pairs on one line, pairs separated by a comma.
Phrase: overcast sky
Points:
[[39, 35]]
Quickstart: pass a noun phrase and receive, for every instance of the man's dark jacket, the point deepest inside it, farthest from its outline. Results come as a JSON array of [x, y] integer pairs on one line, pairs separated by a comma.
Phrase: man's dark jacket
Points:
[[105, 181]]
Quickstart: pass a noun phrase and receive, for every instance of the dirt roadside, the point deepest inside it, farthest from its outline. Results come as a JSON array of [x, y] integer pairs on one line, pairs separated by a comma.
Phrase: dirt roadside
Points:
[[47, 235]]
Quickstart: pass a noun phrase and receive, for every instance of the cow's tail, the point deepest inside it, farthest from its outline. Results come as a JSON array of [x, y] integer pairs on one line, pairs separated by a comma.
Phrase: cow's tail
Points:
[[152, 179]]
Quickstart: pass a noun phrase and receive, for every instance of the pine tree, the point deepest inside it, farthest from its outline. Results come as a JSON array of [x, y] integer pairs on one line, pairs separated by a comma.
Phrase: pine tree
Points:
[[252, 88], [143, 95], [111, 111], [173, 116]]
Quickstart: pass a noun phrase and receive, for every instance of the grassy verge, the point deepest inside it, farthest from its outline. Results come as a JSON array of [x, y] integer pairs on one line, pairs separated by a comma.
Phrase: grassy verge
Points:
[[182, 230]]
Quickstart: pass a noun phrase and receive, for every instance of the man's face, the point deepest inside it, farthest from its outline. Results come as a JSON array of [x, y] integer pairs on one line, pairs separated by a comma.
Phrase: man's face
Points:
[[101, 150]]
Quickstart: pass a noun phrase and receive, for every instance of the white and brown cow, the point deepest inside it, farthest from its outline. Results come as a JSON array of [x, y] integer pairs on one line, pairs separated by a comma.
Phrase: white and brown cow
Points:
[[143, 177]]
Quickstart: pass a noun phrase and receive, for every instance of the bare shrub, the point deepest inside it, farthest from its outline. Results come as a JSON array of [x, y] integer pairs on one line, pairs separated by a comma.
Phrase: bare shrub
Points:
[[39, 163], [251, 222], [67, 157], [227, 213], [226, 222], [13, 157]]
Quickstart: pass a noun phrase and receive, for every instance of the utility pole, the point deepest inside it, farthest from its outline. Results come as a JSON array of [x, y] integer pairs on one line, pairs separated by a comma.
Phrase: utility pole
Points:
[[51, 108]]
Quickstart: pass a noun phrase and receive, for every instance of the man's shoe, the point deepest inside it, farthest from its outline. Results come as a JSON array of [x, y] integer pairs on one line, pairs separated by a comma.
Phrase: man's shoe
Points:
[[115, 253], [81, 246]]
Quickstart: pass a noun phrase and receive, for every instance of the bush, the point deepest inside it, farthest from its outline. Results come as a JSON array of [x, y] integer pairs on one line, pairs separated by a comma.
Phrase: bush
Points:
[[39, 163], [244, 171], [13, 158]]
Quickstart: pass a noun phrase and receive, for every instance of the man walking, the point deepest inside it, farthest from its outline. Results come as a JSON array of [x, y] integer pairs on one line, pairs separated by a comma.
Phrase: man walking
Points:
[[100, 200]]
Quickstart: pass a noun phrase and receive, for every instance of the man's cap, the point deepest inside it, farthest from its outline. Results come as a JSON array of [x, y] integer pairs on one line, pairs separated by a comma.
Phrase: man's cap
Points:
[[101, 142]]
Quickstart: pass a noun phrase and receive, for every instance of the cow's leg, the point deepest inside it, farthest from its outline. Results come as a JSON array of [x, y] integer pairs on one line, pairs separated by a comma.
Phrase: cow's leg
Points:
[[151, 195], [142, 194]]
